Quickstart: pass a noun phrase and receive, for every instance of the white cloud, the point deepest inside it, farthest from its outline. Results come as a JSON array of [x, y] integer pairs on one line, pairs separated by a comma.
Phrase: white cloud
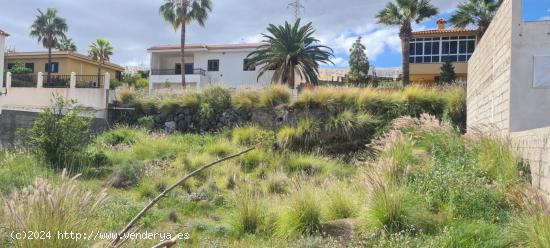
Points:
[[545, 18]]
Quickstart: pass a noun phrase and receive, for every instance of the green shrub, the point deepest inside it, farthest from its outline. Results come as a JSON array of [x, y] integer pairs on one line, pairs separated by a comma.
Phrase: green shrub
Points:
[[455, 107], [476, 234], [423, 100], [248, 214], [125, 94], [274, 96], [246, 99], [253, 135], [302, 215], [45, 208], [388, 104], [118, 136], [126, 175], [302, 137], [142, 83], [220, 148], [531, 230], [251, 160], [57, 137], [18, 170], [146, 122], [217, 97], [340, 202], [497, 159]]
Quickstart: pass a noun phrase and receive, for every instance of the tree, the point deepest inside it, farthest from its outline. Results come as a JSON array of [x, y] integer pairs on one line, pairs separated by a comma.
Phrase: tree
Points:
[[66, 44], [358, 63], [290, 50], [100, 51], [20, 68], [447, 75], [402, 13], [477, 12], [179, 13], [48, 28]]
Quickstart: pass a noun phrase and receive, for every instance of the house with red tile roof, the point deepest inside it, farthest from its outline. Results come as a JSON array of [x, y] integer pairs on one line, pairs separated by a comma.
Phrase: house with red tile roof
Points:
[[3, 36], [429, 49], [205, 65]]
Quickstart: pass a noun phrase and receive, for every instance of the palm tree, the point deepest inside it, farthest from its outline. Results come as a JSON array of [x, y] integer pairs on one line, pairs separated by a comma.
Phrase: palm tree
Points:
[[48, 28], [477, 12], [179, 13], [66, 44], [403, 13], [290, 50], [100, 51]]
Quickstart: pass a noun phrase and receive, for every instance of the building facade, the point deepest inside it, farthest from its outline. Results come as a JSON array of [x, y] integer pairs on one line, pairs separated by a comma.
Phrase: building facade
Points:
[[63, 63], [3, 36], [205, 65], [429, 49]]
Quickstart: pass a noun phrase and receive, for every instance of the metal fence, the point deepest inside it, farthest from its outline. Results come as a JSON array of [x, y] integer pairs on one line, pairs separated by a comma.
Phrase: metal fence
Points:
[[56, 81], [24, 80], [177, 72], [89, 81]]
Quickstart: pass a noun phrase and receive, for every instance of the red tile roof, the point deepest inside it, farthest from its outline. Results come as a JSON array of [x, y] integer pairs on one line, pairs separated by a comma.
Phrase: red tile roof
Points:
[[4, 33], [207, 47], [444, 31]]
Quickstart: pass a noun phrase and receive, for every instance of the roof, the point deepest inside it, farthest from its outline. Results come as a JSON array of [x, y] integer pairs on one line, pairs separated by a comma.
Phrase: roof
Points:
[[75, 55], [445, 31], [206, 47], [4, 33]]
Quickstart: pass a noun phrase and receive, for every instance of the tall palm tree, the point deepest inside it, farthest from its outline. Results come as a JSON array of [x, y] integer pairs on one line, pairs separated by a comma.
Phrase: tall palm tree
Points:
[[66, 44], [48, 28], [477, 12], [402, 13], [179, 13], [100, 51], [290, 50]]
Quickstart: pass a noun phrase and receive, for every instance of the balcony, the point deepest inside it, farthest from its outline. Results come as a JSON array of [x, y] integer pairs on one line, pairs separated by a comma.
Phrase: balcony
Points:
[[194, 76]]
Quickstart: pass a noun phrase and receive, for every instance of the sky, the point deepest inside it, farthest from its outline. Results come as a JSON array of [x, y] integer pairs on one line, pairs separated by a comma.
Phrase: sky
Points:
[[134, 25]]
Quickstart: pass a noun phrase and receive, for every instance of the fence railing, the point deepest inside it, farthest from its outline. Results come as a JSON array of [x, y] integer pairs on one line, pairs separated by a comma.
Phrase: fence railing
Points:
[[24, 80], [89, 81], [56, 81], [177, 72]]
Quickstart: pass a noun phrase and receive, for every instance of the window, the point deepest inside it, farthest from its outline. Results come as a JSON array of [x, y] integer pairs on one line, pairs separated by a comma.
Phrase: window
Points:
[[54, 68], [214, 65], [177, 70], [189, 68], [30, 66], [438, 50], [247, 66]]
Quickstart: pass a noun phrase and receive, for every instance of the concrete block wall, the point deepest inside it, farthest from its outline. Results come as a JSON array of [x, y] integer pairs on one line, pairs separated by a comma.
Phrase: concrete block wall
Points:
[[534, 147], [489, 75], [501, 94]]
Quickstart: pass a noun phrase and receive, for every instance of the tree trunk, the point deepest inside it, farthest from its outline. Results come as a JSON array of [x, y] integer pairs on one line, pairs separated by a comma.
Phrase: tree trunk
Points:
[[49, 69], [183, 29], [292, 78], [405, 35], [99, 65]]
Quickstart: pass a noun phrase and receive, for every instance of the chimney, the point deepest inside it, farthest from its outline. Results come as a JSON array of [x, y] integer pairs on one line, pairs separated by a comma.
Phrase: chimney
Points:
[[441, 24]]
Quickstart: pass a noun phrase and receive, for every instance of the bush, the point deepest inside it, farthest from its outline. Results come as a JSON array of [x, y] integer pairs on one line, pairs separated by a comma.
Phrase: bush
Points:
[[496, 158], [302, 215], [146, 122], [57, 137], [121, 135], [218, 97], [44, 208], [301, 137], [423, 100], [251, 160], [246, 99], [340, 202], [274, 96], [249, 213], [125, 94], [142, 83], [126, 175], [531, 230]]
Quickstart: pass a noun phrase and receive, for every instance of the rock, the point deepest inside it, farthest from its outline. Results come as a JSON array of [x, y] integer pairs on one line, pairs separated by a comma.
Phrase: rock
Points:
[[170, 126]]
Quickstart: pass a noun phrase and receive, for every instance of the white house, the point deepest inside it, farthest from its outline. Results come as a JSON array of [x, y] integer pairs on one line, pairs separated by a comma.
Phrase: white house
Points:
[[3, 36], [205, 65]]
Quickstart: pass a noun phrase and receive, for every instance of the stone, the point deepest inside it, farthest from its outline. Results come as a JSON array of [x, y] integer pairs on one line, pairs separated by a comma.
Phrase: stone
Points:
[[170, 126]]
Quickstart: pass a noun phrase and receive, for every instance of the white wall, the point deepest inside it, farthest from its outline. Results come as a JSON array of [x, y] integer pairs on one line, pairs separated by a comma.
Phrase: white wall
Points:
[[2, 44]]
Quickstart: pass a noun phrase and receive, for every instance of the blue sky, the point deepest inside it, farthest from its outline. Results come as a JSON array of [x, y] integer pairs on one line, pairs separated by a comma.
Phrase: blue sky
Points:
[[134, 25]]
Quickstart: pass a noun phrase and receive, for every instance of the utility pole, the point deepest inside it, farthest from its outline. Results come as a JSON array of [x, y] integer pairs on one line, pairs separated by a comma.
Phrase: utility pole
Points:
[[297, 6]]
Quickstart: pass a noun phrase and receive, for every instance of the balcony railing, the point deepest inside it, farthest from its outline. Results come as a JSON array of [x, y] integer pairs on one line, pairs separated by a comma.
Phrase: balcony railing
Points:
[[89, 81], [57, 81], [23, 80], [177, 72]]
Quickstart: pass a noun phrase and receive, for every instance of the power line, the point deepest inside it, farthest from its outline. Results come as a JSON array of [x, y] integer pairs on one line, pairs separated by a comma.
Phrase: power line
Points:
[[297, 7]]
